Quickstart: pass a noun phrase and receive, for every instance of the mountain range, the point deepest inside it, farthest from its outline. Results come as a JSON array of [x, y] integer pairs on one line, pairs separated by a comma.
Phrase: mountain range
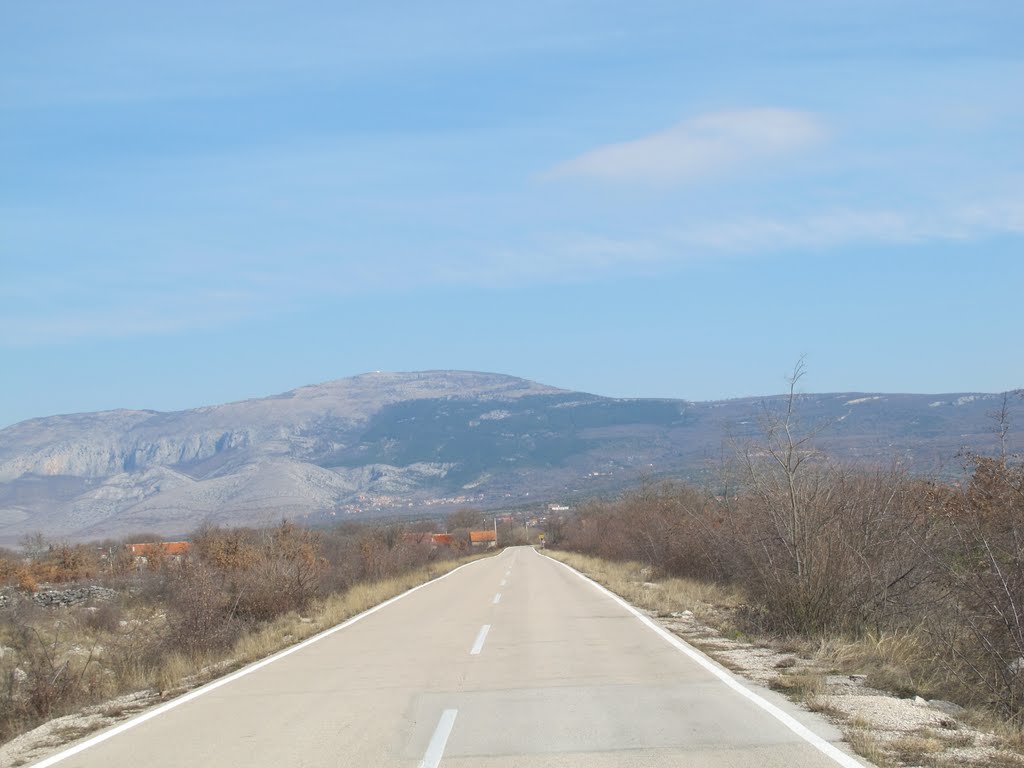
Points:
[[412, 443]]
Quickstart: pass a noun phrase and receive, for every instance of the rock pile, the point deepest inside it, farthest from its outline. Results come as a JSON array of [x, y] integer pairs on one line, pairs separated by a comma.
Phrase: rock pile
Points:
[[57, 598], [62, 597]]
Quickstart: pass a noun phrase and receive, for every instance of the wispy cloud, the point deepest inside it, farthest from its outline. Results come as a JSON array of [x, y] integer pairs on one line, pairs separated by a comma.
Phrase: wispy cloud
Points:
[[704, 146], [156, 301], [571, 258], [844, 227]]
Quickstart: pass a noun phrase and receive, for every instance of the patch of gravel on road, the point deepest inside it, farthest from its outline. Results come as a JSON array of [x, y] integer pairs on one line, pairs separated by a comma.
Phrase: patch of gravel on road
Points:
[[61, 731], [906, 732]]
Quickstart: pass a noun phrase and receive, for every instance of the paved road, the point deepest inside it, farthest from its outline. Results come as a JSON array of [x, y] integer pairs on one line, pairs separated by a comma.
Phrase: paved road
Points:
[[551, 673]]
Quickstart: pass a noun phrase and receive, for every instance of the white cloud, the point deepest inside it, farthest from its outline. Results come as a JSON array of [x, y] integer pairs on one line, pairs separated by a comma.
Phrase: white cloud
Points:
[[704, 146]]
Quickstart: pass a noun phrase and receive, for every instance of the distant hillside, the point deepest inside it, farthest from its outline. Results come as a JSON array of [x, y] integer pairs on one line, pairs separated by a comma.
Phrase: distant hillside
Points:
[[394, 442]]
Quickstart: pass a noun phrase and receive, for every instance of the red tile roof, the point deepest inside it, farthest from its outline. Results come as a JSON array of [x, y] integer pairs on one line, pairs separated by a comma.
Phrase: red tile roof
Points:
[[480, 536], [168, 547]]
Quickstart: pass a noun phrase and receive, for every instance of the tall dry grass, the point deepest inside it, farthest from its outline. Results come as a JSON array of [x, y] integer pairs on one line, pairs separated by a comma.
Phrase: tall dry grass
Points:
[[640, 586]]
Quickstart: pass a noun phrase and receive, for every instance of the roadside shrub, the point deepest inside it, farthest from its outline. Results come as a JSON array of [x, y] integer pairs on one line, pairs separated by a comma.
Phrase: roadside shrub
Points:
[[979, 567], [827, 550], [54, 674], [106, 617], [201, 615], [674, 529]]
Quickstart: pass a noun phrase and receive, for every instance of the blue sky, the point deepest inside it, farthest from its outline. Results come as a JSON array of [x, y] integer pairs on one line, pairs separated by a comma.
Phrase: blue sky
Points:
[[205, 202]]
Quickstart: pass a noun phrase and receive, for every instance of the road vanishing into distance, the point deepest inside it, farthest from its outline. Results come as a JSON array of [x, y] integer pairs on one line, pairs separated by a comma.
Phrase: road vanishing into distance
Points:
[[513, 660]]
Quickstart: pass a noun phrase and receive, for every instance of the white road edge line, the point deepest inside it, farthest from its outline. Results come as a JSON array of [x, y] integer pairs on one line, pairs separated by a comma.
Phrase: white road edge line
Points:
[[480, 637], [236, 675], [497, 598], [785, 718], [503, 583], [435, 750]]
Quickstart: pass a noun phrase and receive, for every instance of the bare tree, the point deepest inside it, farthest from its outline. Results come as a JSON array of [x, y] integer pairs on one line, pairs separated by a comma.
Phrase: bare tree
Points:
[[777, 480], [1001, 417]]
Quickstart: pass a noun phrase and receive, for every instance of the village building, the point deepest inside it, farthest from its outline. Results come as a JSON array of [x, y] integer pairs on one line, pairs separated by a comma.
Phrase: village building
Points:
[[483, 539], [163, 551]]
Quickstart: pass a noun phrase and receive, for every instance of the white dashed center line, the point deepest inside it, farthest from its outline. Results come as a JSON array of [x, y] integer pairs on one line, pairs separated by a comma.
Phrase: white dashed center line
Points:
[[481, 636], [435, 750]]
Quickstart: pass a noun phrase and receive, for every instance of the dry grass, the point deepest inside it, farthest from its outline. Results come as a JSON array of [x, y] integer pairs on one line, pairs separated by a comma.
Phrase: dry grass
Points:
[[172, 672], [1008, 735], [70, 733], [957, 738], [867, 745], [664, 596], [823, 706], [917, 748], [801, 686], [897, 662]]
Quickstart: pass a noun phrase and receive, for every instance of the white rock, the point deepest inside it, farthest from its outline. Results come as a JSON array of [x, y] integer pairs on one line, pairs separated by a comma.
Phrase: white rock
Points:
[[947, 707]]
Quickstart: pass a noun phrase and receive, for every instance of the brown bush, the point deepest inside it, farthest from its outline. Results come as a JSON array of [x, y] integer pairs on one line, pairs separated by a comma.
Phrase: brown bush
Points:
[[226, 549], [25, 580], [201, 614], [672, 528], [53, 681], [105, 617], [827, 550], [979, 569]]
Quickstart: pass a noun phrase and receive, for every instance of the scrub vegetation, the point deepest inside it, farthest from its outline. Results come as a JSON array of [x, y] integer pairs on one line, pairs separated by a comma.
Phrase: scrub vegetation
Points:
[[165, 623], [917, 584]]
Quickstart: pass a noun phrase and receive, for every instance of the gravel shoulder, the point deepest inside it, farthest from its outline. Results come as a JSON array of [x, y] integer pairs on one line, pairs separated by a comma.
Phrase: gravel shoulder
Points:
[[41, 742], [886, 729]]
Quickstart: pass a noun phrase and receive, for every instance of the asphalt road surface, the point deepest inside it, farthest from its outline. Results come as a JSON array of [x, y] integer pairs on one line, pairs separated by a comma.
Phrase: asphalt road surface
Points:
[[514, 660]]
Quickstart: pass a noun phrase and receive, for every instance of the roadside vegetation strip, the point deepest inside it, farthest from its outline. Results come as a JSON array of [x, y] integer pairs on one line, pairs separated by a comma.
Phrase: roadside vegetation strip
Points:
[[211, 686], [798, 728], [708, 601], [866, 685]]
